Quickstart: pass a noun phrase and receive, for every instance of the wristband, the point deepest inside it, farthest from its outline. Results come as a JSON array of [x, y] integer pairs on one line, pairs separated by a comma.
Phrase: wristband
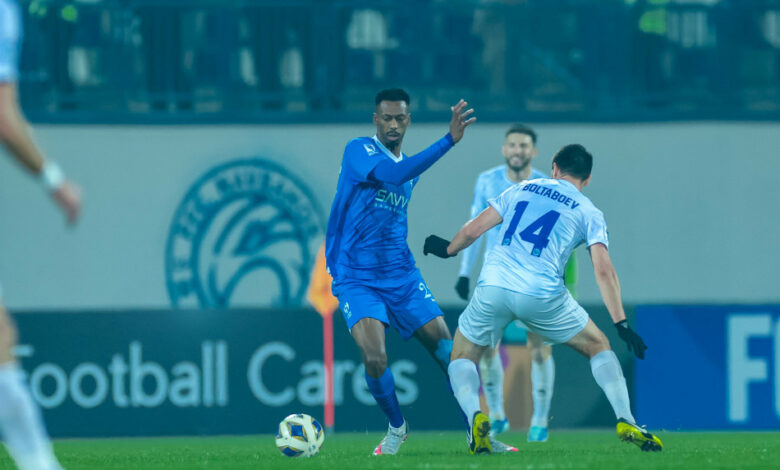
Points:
[[52, 176]]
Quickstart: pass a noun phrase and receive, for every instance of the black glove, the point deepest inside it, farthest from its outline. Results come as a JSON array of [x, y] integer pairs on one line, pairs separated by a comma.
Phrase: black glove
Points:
[[436, 246], [462, 287], [632, 339]]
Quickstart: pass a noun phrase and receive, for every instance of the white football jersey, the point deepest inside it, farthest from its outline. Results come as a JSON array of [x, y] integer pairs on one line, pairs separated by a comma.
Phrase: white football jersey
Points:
[[490, 184], [544, 221]]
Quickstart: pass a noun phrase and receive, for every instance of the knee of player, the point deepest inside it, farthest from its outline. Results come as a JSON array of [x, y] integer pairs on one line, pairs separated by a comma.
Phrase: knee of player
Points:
[[486, 359], [605, 340], [375, 361], [540, 354], [602, 343]]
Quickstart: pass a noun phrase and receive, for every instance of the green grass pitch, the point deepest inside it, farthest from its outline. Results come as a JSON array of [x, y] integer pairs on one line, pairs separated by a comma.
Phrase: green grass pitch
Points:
[[424, 450]]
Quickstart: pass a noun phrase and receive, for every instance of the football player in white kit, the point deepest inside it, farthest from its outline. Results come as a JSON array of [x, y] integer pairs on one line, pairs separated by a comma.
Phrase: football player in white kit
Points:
[[542, 221], [519, 150], [21, 426]]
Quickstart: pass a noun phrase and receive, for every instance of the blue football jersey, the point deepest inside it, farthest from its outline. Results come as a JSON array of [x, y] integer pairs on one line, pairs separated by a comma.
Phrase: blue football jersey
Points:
[[10, 40], [367, 228], [489, 185]]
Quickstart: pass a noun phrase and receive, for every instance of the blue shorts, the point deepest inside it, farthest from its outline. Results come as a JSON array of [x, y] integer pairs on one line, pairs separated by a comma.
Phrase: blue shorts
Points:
[[405, 302]]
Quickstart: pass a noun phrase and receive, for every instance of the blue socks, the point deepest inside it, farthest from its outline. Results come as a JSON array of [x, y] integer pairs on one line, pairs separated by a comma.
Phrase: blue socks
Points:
[[443, 351], [383, 390]]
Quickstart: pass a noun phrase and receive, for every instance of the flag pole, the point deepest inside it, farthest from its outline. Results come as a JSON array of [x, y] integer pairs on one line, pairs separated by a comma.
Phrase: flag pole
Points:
[[320, 296], [327, 356]]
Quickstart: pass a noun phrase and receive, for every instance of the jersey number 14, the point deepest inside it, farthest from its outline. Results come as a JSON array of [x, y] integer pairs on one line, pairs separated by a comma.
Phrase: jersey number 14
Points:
[[537, 232]]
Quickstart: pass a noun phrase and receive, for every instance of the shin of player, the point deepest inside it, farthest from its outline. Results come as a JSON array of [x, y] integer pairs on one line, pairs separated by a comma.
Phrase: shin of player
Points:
[[542, 381], [464, 380], [21, 425], [369, 335]]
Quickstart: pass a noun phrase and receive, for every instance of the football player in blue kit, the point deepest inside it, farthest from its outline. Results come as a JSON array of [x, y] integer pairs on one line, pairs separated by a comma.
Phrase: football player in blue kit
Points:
[[374, 274]]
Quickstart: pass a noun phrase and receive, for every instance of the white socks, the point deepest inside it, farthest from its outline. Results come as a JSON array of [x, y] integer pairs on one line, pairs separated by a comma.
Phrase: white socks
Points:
[[21, 425], [492, 370], [608, 374], [465, 386], [542, 380]]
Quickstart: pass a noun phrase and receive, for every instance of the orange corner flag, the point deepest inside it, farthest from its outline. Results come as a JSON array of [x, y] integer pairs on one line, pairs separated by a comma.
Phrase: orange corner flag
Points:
[[319, 294]]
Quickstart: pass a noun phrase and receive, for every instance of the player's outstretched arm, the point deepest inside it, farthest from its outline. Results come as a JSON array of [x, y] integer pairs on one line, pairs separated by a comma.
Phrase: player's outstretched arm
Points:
[[407, 169], [473, 229], [609, 285], [13, 131], [460, 120], [15, 136]]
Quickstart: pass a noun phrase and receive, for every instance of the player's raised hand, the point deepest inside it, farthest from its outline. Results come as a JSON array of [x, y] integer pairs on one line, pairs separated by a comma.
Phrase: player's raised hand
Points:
[[460, 119], [632, 339], [68, 198]]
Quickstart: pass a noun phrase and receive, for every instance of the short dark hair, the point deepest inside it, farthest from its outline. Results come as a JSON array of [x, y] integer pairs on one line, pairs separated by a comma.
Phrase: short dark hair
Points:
[[392, 94], [521, 129], [574, 160]]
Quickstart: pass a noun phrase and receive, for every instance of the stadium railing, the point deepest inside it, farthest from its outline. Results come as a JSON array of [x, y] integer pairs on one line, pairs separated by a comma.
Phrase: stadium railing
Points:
[[171, 61]]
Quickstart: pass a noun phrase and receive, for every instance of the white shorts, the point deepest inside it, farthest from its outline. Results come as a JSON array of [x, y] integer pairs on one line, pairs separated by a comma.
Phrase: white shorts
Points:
[[556, 319]]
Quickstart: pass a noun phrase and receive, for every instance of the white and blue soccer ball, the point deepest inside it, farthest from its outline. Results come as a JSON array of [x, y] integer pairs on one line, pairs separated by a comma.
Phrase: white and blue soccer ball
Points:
[[299, 435]]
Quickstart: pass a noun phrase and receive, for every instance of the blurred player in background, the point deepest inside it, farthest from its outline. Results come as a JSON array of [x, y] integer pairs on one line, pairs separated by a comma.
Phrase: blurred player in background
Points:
[[374, 274], [542, 221], [519, 150], [21, 425]]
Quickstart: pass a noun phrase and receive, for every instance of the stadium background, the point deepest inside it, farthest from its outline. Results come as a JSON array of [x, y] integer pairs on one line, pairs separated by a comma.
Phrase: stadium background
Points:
[[143, 103]]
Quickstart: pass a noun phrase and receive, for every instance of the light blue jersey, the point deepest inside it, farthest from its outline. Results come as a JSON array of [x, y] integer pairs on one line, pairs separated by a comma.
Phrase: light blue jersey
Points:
[[10, 41], [489, 185], [544, 221]]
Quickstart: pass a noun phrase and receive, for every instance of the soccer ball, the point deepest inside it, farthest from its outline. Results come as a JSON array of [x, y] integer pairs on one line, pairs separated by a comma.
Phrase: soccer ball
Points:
[[299, 435]]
